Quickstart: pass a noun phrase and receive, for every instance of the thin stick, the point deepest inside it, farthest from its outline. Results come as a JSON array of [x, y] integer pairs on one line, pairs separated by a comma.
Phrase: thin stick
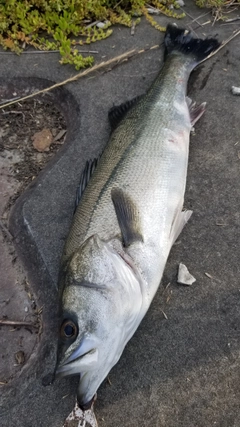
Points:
[[76, 77], [8, 100], [201, 16], [17, 323], [221, 46], [36, 52], [123, 57], [164, 314], [192, 30], [232, 20], [190, 16], [205, 23]]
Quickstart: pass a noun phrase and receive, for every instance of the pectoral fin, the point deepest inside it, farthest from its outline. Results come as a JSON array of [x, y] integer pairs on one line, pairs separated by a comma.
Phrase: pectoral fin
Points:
[[195, 111], [179, 222], [128, 217]]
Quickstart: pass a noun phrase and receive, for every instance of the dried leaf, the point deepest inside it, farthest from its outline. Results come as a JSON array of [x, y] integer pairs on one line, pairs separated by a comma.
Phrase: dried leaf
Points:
[[60, 135], [42, 140], [9, 43], [20, 357]]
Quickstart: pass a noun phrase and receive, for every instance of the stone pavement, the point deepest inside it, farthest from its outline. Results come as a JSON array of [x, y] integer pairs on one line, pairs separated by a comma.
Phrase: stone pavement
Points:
[[183, 370]]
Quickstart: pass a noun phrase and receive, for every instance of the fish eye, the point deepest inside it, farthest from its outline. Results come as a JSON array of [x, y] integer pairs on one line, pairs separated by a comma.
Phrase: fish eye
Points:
[[68, 329]]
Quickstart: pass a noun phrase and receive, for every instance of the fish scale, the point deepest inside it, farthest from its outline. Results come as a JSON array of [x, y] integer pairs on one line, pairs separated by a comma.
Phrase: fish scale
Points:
[[128, 218], [126, 147]]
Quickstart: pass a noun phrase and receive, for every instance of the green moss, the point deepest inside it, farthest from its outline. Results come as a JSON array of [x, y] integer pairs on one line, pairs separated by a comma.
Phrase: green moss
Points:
[[53, 24], [219, 7]]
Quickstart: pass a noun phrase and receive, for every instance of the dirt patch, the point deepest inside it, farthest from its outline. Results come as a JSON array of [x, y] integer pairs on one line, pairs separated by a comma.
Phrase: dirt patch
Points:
[[21, 160], [18, 125]]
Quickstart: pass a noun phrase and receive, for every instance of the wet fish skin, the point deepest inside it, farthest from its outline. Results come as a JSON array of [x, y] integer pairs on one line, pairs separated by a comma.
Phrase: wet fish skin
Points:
[[128, 218]]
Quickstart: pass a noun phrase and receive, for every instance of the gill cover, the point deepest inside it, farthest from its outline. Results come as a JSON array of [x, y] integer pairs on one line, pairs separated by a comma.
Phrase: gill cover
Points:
[[103, 293]]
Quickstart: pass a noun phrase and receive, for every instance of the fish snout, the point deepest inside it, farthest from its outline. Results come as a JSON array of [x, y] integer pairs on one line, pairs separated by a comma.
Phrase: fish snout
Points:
[[88, 405]]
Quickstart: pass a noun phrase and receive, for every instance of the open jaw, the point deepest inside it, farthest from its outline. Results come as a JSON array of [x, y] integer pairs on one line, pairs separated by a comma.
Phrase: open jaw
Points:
[[81, 364]]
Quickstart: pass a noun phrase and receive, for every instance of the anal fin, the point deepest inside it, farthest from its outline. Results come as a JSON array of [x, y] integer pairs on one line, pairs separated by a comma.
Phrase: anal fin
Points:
[[128, 217]]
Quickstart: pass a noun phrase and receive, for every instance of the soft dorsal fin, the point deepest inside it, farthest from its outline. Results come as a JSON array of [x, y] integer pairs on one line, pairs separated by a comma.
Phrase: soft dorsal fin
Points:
[[117, 113], [128, 217], [85, 177]]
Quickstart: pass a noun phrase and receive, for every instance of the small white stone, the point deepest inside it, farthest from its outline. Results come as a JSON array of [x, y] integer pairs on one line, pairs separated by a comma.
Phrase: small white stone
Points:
[[180, 3], [26, 309], [102, 24], [184, 277], [235, 90], [153, 11]]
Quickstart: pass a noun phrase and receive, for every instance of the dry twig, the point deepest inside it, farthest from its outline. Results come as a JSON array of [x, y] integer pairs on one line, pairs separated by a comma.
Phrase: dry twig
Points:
[[190, 16], [232, 19], [117, 59], [224, 43], [96, 67], [164, 314], [36, 52], [17, 323]]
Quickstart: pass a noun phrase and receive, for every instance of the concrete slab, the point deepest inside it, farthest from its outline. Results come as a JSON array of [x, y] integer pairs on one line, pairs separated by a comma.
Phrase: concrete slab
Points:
[[179, 371]]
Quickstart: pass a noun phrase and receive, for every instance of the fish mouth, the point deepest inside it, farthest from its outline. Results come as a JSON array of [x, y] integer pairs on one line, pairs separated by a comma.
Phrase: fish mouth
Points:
[[78, 365]]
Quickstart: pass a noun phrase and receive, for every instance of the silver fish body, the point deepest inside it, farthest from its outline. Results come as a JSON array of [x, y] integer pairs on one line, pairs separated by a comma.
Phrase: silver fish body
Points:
[[128, 218]]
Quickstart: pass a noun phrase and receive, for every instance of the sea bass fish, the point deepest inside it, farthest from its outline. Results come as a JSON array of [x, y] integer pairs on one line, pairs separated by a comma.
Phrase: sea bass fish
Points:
[[128, 218]]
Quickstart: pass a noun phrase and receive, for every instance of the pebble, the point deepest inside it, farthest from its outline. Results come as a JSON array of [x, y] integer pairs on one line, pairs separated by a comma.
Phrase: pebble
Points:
[[235, 90], [180, 3], [184, 277]]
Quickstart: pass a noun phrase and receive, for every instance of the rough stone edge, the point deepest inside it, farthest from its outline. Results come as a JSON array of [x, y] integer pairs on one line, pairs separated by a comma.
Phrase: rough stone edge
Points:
[[42, 359]]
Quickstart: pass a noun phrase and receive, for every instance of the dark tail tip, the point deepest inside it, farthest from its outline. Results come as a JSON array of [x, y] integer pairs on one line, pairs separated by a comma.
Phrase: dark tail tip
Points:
[[181, 40]]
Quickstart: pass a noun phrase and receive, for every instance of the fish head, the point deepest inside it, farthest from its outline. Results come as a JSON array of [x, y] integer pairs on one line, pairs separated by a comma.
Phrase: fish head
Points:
[[100, 305]]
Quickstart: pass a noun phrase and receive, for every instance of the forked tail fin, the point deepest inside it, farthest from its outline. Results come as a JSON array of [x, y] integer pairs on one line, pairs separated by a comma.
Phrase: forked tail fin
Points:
[[178, 40]]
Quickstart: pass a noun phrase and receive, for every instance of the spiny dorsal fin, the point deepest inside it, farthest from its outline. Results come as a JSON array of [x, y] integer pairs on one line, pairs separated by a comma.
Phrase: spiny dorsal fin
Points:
[[128, 217], [117, 113], [85, 177]]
